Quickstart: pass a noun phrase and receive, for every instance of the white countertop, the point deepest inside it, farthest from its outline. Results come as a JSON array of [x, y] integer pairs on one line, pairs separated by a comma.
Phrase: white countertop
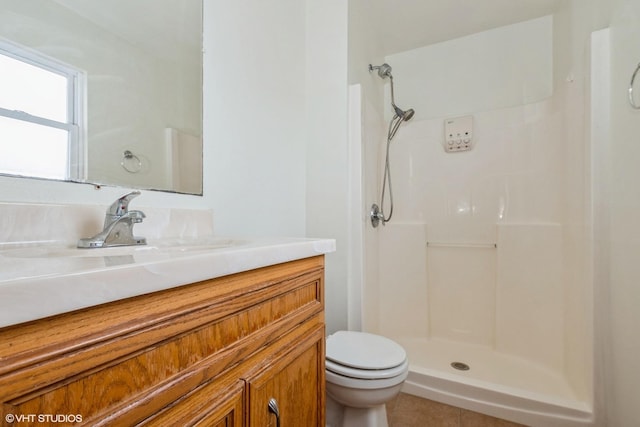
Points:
[[44, 279]]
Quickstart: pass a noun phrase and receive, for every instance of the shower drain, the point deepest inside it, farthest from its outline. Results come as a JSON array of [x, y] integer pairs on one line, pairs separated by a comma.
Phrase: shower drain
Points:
[[460, 366]]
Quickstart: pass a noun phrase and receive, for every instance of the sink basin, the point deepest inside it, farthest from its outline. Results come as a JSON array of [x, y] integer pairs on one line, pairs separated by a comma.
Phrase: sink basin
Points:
[[167, 247]]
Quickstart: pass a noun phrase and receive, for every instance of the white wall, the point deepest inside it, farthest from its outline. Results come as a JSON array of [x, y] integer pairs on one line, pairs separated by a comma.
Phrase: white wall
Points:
[[621, 237], [600, 128], [255, 123], [327, 157]]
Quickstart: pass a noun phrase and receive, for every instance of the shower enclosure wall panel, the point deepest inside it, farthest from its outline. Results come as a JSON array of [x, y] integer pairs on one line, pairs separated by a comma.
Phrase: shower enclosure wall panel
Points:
[[462, 293], [530, 295], [404, 306], [497, 68], [509, 299], [447, 294]]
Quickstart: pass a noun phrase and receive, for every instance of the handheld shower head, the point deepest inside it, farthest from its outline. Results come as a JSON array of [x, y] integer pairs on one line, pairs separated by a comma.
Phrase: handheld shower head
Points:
[[405, 115], [408, 114]]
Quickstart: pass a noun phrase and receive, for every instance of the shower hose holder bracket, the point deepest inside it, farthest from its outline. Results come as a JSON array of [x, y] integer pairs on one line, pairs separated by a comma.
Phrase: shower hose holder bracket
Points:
[[376, 215]]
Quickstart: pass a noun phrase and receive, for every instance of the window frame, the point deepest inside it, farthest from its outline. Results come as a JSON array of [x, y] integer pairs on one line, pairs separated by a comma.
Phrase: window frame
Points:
[[76, 105]]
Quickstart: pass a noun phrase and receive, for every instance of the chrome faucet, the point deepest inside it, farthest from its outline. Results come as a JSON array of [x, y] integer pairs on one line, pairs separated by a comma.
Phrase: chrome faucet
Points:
[[118, 226]]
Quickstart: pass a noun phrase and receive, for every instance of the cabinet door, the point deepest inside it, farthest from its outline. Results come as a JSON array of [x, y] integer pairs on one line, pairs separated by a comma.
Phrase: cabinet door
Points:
[[217, 404], [289, 391]]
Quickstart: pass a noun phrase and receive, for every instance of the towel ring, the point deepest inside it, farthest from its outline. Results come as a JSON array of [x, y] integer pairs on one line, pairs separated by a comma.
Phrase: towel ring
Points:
[[130, 162], [631, 100]]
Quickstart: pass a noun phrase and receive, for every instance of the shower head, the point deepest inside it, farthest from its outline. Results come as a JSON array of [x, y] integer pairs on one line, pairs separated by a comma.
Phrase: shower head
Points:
[[404, 115], [384, 70]]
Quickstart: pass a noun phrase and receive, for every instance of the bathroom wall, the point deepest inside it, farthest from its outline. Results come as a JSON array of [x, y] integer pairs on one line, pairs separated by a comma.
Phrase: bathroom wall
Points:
[[600, 126], [618, 205], [255, 122], [327, 162]]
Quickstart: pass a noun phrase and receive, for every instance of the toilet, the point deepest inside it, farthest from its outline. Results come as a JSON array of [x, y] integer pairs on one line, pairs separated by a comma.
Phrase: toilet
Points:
[[363, 372]]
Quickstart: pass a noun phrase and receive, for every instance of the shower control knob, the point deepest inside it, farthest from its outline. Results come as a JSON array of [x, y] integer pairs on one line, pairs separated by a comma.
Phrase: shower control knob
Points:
[[376, 216]]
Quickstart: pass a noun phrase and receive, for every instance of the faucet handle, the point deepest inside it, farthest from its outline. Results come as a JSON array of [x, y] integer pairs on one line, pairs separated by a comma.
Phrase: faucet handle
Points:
[[121, 205]]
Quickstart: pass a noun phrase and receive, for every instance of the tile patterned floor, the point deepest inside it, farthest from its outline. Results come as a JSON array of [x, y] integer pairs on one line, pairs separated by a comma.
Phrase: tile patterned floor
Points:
[[411, 411]]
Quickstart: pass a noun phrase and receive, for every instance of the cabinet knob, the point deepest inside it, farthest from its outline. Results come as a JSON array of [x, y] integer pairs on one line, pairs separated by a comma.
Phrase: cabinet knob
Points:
[[273, 408]]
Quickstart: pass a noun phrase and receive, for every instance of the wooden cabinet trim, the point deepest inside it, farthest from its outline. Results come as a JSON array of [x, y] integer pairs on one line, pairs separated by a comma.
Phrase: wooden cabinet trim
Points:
[[198, 406]]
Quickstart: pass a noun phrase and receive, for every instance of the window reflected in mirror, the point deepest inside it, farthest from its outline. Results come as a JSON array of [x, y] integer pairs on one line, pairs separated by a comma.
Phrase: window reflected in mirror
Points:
[[40, 115], [109, 92]]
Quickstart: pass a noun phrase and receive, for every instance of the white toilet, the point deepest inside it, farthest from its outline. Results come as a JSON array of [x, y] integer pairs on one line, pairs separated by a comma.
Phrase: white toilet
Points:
[[363, 372]]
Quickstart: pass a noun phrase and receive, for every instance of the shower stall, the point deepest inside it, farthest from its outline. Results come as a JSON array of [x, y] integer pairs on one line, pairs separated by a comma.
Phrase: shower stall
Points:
[[484, 272]]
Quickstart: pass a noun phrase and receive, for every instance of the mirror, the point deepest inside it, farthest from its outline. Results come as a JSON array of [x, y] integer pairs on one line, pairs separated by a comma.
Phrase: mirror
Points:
[[138, 99]]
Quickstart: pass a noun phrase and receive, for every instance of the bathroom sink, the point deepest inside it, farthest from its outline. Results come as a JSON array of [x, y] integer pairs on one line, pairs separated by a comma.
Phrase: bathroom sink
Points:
[[161, 247]]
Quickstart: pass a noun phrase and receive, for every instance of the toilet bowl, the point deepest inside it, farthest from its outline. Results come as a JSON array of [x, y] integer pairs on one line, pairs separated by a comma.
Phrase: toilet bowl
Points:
[[363, 372]]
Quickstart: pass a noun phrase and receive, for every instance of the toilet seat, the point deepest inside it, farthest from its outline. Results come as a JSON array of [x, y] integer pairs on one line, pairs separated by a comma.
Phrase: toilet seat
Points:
[[366, 374], [366, 356], [364, 383]]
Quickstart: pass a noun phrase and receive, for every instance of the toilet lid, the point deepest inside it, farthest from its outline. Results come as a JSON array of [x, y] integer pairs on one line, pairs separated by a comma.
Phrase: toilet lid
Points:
[[364, 351]]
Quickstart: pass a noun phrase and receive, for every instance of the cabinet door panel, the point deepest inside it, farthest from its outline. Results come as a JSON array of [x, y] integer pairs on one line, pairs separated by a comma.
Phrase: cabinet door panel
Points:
[[296, 382]]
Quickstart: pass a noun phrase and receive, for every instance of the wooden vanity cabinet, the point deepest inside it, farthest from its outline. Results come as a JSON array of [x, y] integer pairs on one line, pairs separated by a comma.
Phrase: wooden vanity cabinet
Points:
[[213, 353]]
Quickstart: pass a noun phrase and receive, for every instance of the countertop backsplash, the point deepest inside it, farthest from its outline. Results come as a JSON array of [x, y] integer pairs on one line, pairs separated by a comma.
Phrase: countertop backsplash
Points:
[[26, 223]]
